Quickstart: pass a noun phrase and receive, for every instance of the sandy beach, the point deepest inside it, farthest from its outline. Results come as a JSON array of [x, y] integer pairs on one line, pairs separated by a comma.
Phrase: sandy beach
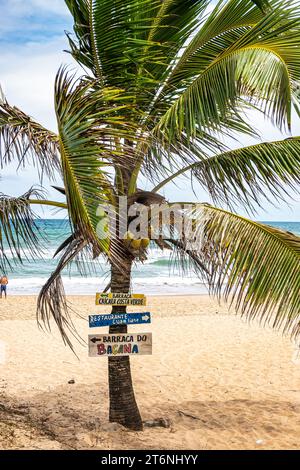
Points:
[[218, 382]]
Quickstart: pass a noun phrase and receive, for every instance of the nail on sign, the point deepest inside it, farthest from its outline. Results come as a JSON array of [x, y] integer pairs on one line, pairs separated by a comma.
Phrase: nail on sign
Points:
[[120, 345], [119, 319], [120, 299]]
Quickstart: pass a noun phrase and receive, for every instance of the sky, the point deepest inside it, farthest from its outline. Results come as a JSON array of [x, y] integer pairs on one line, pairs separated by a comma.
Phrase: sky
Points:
[[32, 41]]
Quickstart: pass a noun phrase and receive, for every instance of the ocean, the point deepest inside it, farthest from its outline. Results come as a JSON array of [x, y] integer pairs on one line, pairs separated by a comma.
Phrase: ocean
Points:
[[158, 275]]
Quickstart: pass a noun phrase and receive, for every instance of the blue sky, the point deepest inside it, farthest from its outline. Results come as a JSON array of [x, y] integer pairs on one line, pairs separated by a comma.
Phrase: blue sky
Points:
[[32, 20], [32, 41]]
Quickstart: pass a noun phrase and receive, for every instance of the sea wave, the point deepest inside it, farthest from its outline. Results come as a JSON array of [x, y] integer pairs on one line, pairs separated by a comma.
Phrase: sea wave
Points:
[[158, 285], [154, 256], [159, 274]]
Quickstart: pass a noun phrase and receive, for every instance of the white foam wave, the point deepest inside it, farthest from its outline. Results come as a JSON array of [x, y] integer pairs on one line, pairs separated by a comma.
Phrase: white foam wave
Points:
[[48, 254], [81, 286]]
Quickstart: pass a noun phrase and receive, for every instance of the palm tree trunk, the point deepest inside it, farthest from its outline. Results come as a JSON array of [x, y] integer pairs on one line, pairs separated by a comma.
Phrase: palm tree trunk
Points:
[[123, 408]]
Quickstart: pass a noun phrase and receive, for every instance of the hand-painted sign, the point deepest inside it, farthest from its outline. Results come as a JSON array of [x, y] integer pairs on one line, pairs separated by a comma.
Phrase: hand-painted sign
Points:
[[120, 344], [120, 299], [119, 319]]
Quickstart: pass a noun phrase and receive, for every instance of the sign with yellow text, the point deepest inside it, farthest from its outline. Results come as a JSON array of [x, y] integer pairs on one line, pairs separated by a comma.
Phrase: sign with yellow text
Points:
[[113, 298]]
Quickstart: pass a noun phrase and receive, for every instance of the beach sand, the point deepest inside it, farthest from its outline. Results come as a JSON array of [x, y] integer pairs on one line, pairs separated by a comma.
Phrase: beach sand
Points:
[[220, 382]]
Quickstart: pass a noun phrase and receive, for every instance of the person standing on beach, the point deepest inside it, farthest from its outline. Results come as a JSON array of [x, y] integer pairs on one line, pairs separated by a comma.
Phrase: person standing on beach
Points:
[[3, 286]]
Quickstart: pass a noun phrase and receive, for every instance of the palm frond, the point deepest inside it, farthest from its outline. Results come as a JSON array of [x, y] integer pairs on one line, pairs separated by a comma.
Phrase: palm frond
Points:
[[189, 260], [255, 266], [132, 43], [175, 21], [166, 160], [88, 123], [226, 22], [245, 175], [52, 302], [23, 138], [18, 231], [60, 189], [262, 64], [110, 36], [81, 48], [173, 24], [264, 5]]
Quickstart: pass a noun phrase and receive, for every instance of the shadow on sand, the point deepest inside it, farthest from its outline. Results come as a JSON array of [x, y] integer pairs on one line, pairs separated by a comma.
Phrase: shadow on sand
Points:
[[74, 417]]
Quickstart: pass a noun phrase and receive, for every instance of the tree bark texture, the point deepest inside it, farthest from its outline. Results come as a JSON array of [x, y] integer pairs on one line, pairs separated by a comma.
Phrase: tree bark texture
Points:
[[123, 408]]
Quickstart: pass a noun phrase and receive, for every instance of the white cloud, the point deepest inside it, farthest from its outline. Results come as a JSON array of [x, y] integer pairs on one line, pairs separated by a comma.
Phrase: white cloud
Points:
[[13, 10], [21, 7], [52, 6], [27, 74]]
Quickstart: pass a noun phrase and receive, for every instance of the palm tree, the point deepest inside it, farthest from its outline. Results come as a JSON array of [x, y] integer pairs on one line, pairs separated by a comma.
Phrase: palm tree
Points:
[[164, 83]]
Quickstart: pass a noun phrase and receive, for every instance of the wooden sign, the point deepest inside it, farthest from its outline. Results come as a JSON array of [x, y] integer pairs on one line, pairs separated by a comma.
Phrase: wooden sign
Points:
[[120, 299], [125, 344], [119, 319]]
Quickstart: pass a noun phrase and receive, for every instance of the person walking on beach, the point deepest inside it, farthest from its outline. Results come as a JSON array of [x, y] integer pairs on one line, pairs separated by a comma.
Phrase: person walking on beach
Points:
[[3, 286]]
